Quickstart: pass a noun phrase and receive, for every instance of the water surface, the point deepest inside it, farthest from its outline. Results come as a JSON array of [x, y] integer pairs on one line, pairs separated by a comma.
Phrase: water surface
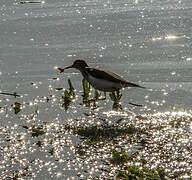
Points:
[[147, 42]]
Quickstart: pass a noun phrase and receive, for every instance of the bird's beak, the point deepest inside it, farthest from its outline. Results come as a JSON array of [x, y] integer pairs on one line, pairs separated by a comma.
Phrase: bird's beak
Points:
[[68, 67], [62, 69]]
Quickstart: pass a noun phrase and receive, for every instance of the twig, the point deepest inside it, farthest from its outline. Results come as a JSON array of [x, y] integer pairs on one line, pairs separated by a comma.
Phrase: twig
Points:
[[134, 104], [29, 2], [10, 94]]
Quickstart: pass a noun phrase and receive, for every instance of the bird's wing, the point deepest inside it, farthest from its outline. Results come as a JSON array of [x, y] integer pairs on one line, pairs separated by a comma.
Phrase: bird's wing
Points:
[[108, 75], [104, 74]]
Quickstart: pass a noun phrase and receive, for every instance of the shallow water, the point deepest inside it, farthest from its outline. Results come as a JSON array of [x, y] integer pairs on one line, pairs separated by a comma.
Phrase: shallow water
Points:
[[147, 42]]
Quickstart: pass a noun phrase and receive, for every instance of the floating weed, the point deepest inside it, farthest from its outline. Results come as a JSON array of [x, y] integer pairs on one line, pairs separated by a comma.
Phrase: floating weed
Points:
[[175, 123], [81, 150], [51, 151], [119, 158], [17, 107], [134, 172], [39, 143], [25, 127], [37, 131], [21, 175]]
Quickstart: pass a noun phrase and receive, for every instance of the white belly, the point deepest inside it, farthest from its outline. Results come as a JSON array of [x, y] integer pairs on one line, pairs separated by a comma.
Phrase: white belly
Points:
[[102, 85]]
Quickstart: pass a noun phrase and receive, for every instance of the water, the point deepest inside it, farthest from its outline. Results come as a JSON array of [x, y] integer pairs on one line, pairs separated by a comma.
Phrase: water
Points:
[[147, 42]]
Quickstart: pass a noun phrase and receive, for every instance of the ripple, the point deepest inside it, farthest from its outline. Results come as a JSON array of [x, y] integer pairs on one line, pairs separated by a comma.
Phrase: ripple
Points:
[[160, 140]]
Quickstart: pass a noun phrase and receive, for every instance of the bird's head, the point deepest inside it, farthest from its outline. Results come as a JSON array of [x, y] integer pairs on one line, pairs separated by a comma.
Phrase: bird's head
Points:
[[78, 64]]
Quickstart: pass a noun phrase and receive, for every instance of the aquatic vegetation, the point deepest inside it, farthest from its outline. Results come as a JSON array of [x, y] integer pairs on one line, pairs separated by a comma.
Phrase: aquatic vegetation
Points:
[[67, 99], [86, 88], [17, 107], [37, 131], [89, 102], [134, 172], [146, 148], [115, 96], [68, 95], [96, 95], [119, 158], [71, 89], [176, 123], [91, 145]]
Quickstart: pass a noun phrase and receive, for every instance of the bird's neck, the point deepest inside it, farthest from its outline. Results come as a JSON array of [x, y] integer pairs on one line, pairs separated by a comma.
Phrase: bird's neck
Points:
[[84, 73]]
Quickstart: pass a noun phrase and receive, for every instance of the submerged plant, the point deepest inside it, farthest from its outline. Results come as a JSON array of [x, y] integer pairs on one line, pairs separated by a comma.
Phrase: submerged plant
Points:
[[71, 89], [119, 158], [86, 88], [115, 97], [86, 93], [68, 95], [97, 95]]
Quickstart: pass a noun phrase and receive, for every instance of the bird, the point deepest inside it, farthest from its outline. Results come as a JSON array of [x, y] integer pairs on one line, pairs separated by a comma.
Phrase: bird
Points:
[[100, 79]]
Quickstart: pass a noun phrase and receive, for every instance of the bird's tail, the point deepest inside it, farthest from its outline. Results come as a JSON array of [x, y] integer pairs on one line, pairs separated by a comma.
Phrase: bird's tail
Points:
[[129, 84]]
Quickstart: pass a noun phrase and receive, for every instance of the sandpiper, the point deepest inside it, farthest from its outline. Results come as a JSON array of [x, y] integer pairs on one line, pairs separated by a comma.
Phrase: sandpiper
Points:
[[101, 79]]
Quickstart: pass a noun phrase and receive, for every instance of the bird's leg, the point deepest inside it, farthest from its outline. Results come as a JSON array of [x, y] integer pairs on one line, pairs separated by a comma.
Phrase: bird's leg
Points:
[[117, 93], [104, 95]]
